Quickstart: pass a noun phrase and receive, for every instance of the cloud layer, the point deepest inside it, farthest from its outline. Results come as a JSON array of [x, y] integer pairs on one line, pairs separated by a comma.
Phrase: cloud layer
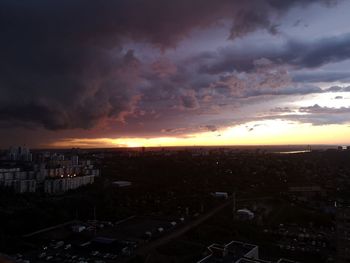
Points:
[[91, 65]]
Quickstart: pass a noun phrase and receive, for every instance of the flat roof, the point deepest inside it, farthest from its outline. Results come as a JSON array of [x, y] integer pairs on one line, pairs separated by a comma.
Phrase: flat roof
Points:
[[247, 260], [282, 260], [234, 251]]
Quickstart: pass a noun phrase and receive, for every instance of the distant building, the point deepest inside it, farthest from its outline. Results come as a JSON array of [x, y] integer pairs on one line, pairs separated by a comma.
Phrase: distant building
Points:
[[343, 148], [49, 172], [20, 181], [75, 160], [60, 185], [25, 186], [19, 153], [21, 186]]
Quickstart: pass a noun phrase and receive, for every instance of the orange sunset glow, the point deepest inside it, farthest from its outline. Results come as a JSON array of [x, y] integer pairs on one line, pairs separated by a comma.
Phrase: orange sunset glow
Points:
[[267, 133]]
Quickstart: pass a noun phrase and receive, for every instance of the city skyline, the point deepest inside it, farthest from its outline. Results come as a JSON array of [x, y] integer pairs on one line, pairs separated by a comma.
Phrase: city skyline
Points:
[[174, 73]]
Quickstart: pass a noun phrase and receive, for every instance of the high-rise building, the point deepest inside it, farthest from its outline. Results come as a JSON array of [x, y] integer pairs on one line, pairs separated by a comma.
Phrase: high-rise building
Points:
[[19, 153], [75, 160]]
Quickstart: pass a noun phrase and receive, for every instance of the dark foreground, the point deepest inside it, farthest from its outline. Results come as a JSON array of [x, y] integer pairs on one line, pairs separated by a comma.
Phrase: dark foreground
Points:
[[170, 214]]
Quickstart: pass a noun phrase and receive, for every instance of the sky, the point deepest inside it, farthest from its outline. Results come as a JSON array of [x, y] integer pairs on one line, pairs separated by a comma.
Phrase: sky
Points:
[[131, 73]]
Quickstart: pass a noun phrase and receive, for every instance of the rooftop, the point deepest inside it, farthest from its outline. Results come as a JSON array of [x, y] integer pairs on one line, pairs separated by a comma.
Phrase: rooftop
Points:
[[247, 260], [230, 252]]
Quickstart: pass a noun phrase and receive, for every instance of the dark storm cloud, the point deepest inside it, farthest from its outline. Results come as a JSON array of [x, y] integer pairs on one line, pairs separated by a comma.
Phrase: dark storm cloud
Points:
[[189, 100], [63, 64], [301, 90], [257, 14], [211, 127], [323, 51], [326, 118], [327, 76], [60, 98], [295, 90], [297, 54], [315, 115], [281, 110], [317, 109]]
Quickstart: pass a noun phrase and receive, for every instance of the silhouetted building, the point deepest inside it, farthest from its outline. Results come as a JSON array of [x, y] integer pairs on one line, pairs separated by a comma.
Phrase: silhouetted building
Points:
[[60, 185], [343, 234], [19, 153]]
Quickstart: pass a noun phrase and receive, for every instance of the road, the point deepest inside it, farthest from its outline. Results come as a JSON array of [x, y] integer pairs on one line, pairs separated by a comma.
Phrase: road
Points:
[[51, 228], [182, 230]]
